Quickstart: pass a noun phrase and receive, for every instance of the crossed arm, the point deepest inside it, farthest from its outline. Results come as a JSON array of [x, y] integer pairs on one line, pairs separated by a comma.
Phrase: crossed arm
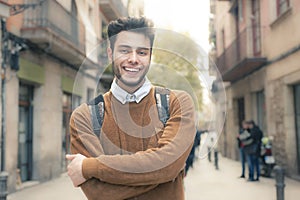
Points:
[[84, 144], [131, 175]]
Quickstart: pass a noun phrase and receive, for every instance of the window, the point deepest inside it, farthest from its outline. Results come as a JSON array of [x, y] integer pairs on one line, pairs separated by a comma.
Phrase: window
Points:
[[74, 22], [255, 11], [67, 102], [261, 110], [76, 101], [282, 6], [70, 102], [90, 94], [240, 10], [241, 110]]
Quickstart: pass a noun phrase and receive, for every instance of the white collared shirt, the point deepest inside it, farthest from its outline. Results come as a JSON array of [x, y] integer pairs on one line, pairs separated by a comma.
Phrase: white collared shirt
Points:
[[124, 97]]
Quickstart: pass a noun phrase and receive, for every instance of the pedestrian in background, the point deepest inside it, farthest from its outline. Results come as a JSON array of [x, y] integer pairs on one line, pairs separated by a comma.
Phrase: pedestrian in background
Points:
[[212, 147], [194, 152], [198, 141], [253, 151], [245, 127]]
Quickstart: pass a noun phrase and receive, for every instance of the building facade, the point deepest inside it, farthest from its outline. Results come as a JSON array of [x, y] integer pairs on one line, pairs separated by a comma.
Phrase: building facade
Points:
[[53, 67], [4, 14], [257, 49]]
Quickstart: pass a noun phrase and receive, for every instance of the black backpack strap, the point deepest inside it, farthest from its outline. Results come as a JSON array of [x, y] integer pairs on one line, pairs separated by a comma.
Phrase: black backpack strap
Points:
[[96, 107], [162, 96]]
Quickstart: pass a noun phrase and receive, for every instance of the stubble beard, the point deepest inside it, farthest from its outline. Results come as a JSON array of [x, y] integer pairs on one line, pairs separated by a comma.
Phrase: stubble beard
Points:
[[118, 75]]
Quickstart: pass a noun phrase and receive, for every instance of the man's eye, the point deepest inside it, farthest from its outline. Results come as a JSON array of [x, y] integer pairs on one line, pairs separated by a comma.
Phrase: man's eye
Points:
[[143, 53], [123, 51]]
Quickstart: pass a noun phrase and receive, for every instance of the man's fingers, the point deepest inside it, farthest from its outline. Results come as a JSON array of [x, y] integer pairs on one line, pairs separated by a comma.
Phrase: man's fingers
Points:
[[70, 156], [75, 168]]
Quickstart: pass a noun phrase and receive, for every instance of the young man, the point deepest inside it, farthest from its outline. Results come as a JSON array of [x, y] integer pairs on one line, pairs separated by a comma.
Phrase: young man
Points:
[[136, 156], [253, 151]]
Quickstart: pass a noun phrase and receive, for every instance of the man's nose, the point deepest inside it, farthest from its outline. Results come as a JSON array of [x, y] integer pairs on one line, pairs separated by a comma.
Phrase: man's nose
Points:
[[133, 58]]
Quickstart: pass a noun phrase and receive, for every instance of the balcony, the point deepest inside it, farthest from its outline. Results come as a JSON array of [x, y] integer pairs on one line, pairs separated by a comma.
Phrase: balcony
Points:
[[4, 9], [242, 56], [113, 9], [55, 30], [213, 6]]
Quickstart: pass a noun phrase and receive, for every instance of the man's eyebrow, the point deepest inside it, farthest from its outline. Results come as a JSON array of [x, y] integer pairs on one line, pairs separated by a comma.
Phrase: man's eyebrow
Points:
[[124, 46], [127, 46], [143, 48]]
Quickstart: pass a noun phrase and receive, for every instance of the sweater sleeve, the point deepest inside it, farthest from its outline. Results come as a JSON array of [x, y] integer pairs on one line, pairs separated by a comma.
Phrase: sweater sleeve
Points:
[[156, 165], [81, 130]]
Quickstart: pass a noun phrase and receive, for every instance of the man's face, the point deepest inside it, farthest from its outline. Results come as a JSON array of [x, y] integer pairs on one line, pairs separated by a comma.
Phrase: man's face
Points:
[[245, 125], [130, 58], [250, 126]]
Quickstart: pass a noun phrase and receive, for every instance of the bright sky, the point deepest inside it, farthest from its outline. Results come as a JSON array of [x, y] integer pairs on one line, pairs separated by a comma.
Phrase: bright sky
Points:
[[190, 16], [183, 16]]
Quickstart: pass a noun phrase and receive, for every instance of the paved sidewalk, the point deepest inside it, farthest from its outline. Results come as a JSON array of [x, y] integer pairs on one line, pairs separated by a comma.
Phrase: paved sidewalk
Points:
[[202, 182], [58, 189]]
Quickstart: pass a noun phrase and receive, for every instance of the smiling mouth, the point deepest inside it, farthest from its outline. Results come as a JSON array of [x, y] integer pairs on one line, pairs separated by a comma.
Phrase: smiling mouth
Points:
[[131, 69]]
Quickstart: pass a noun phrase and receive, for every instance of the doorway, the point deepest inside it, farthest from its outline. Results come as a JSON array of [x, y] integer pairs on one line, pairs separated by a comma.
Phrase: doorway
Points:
[[241, 111], [25, 126], [297, 121]]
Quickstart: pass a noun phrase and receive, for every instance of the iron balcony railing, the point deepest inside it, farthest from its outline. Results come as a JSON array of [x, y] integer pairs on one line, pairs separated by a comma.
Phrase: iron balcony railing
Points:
[[113, 9], [246, 48], [56, 20]]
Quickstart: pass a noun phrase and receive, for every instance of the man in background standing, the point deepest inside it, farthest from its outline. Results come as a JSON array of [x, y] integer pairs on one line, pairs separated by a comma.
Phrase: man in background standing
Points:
[[252, 150], [212, 147]]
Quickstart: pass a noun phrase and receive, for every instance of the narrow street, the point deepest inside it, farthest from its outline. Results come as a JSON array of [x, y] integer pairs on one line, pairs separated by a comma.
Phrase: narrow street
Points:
[[202, 182]]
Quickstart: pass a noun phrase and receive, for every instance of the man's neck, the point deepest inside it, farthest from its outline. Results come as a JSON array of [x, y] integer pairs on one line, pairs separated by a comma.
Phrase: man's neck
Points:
[[130, 89]]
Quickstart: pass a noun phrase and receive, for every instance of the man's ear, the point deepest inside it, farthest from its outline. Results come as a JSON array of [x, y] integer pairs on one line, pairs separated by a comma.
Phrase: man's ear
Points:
[[109, 53]]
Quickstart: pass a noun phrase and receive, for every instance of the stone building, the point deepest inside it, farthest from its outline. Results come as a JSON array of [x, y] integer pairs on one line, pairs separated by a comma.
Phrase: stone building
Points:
[[52, 67], [257, 50], [4, 14]]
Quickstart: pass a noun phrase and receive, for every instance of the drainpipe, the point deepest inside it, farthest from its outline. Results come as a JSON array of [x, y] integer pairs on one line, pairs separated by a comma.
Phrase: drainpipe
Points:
[[3, 93], [3, 119], [4, 51]]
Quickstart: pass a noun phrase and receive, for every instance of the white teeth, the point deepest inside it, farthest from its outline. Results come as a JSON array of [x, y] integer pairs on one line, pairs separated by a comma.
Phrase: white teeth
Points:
[[131, 69]]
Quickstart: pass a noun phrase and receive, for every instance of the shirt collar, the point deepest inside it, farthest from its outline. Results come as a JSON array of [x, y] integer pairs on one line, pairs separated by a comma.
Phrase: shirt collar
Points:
[[124, 97]]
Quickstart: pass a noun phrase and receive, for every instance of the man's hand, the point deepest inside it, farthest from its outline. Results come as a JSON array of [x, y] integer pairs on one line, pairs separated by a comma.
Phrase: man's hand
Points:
[[75, 168]]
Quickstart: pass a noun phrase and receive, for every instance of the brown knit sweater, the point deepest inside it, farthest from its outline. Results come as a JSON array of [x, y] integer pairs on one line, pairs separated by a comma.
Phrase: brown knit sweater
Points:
[[136, 157]]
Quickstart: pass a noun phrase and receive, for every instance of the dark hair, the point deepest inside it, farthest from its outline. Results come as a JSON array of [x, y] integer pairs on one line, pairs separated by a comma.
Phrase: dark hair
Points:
[[134, 24], [251, 122]]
